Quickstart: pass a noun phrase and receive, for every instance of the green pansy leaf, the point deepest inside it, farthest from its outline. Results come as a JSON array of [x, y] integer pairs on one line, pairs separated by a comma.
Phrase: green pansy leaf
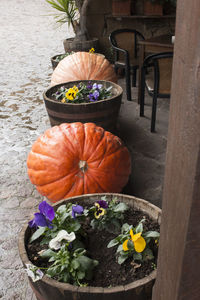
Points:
[[137, 256], [52, 259], [139, 228], [130, 245], [48, 253], [147, 254], [65, 277], [80, 275], [61, 209], [37, 234], [125, 227], [112, 243], [74, 226], [119, 249], [75, 264], [122, 259], [151, 234], [121, 207]]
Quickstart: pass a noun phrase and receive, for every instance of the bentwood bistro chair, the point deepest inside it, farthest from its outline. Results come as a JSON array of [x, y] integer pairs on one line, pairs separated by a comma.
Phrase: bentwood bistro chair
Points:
[[156, 77], [126, 54]]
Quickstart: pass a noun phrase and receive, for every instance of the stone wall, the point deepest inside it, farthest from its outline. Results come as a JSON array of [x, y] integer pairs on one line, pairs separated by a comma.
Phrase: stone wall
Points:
[[101, 22]]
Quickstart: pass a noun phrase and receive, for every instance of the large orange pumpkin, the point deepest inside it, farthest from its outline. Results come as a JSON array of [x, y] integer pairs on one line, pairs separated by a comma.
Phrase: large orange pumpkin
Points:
[[83, 66], [75, 158]]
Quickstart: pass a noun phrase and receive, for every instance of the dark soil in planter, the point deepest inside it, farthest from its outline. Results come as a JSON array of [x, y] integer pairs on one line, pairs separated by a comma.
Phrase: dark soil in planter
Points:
[[108, 273]]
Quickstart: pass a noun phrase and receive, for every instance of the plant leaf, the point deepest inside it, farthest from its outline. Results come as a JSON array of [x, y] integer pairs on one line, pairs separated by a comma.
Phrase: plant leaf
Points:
[[37, 234], [122, 259], [139, 228], [151, 234], [121, 207], [112, 243], [48, 253], [137, 256]]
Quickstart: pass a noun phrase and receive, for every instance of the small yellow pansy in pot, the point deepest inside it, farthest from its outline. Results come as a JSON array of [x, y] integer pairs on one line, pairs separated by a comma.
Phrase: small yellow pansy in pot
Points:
[[107, 215], [92, 50], [137, 240], [135, 243]]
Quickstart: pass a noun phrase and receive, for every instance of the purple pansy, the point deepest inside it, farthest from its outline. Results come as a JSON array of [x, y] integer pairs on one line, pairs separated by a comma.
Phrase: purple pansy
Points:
[[89, 86], [94, 96], [97, 86], [77, 209], [45, 217], [103, 203]]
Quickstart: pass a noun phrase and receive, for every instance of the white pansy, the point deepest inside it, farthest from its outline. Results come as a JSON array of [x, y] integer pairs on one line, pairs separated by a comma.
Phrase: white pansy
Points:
[[33, 272], [62, 235]]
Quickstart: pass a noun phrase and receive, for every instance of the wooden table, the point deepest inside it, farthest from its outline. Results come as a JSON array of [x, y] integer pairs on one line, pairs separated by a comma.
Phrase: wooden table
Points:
[[162, 43]]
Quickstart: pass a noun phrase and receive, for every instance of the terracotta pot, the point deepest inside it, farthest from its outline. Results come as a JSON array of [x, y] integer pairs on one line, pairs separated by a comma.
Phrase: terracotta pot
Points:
[[103, 113], [152, 9], [50, 289], [121, 7]]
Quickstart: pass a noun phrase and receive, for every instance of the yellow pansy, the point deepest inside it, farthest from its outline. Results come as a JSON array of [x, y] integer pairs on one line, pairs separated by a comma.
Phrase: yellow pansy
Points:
[[91, 50], [138, 242], [99, 211], [63, 100], [75, 89], [71, 94]]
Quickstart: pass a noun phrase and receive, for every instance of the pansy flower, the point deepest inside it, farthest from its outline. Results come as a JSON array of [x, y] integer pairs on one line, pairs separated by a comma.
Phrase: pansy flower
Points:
[[55, 243], [33, 272], [92, 50], [100, 210], [97, 86], [71, 94], [45, 217], [102, 203], [94, 96], [77, 209], [75, 88], [89, 85], [138, 242]]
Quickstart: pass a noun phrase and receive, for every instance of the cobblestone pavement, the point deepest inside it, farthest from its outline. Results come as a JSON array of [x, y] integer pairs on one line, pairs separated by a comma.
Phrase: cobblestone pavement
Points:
[[28, 39]]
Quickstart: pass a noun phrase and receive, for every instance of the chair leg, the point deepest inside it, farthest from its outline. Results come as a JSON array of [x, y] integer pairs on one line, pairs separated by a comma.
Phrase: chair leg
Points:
[[115, 68], [142, 92], [153, 115], [134, 80], [128, 84]]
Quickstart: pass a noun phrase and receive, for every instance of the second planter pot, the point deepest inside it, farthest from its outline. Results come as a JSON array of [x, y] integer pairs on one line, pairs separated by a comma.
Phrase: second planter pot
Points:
[[103, 113]]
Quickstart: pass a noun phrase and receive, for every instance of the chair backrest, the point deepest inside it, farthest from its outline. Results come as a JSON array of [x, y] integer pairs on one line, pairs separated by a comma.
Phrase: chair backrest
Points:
[[161, 64], [126, 39]]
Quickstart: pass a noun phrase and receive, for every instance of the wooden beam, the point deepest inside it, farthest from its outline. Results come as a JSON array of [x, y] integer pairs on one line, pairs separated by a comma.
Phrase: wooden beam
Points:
[[178, 276]]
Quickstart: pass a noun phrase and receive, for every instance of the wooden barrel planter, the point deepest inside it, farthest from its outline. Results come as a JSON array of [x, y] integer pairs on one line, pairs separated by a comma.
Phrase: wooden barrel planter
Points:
[[77, 45], [57, 58], [50, 289], [103, 113]]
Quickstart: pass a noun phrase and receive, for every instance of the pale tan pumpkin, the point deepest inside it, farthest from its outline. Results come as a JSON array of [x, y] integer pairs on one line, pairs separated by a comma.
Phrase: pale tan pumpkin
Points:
[[83, 66]]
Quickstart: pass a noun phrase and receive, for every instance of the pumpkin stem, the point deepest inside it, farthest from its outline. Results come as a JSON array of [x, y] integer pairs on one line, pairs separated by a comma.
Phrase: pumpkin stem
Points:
[[83, 165]]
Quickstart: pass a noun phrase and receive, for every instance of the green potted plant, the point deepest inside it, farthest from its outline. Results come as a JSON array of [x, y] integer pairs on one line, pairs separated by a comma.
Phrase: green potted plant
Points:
[[96, 245], [74, 13]]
